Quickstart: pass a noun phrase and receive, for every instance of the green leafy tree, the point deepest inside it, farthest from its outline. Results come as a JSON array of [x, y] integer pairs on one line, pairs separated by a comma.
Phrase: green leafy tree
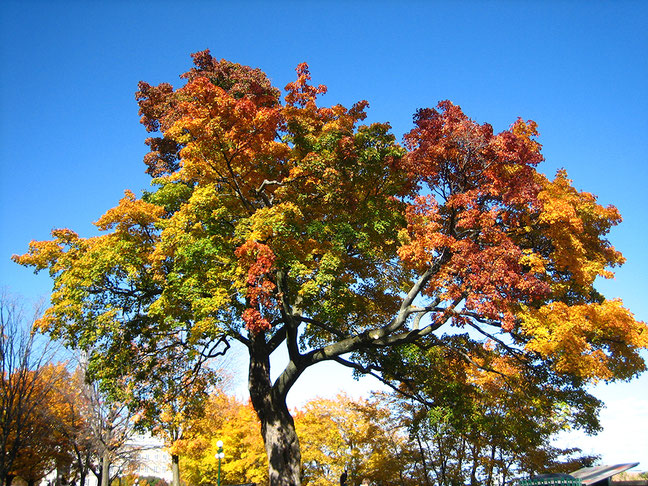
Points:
[[292, 225], [484, 419], [178, 401]]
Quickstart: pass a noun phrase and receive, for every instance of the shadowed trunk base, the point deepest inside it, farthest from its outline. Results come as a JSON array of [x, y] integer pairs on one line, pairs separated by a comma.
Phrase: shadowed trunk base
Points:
[[282, 447]]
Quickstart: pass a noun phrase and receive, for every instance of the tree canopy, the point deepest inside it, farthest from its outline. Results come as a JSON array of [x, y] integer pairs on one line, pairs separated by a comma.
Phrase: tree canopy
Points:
[[291, 224]]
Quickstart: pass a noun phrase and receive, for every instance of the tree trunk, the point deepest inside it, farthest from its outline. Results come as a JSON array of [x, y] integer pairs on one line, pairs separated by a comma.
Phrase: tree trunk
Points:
[[491, 466], [282, 446], [277, 425], [475, 464], [81, 466], [422, 452], [175, 469], [105, 469]]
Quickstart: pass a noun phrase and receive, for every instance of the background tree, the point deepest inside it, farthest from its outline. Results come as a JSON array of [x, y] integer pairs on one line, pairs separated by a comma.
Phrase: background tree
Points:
[[42, 447], [178, 400], [236, 424], [93, 428], [336, 434], [110, 427], [486, 421], [25, 383], [358, 436], [151, 481], [76, 429], [292, 225]]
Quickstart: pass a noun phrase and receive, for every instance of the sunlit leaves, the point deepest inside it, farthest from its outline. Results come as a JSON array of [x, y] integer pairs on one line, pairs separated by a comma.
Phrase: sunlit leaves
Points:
[[233, 422], [358, 436], [291, 223], [592, 341]]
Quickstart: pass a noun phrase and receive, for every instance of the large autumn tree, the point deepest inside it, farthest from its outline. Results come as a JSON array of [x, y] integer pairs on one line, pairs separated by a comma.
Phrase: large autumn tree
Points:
[[288, 224]]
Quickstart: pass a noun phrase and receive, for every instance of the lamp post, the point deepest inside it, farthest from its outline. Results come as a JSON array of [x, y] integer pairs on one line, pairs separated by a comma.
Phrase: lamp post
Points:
[[220, 454]]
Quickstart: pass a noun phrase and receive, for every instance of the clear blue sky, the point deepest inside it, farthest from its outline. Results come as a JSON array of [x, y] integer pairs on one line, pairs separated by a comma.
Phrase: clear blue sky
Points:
[[70, 140]]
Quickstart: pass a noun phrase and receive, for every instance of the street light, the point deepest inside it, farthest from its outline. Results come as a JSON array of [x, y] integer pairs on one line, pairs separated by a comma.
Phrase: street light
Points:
[[220, 454]]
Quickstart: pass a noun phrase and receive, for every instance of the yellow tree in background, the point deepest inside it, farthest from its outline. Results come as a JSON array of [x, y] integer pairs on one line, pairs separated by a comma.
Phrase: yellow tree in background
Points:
[[236, 424], [354, 435], [44, 446], [336, 434]]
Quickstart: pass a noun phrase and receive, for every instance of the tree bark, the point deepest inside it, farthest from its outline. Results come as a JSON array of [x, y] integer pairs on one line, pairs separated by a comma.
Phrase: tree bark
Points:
[[175, 469], [81, 465], [423, 463], [83, 473], [475, 464], [491, 465], [277, 425], [105, 469], [282, 446]]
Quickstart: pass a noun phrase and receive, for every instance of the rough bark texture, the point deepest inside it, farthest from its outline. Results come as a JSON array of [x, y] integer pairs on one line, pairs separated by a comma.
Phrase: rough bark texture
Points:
[[282, 446], [277, 425], [105, 469], [175, 469]]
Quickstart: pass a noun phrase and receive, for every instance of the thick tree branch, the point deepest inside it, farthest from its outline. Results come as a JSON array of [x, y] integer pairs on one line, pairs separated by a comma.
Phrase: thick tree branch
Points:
[[291, 321], [321, 325], [261, 191], [381, 336], [277, 338]]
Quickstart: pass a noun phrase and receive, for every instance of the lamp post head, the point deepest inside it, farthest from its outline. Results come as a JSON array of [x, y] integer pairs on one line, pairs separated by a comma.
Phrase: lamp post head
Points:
[[220, 454]]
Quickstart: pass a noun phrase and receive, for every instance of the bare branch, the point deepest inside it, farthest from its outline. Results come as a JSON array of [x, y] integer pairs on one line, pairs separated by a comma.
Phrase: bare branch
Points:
[[372, 371]]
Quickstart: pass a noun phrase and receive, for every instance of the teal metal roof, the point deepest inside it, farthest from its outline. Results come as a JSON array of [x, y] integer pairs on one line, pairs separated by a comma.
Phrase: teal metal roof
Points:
[[591, 475], [550, 480]]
